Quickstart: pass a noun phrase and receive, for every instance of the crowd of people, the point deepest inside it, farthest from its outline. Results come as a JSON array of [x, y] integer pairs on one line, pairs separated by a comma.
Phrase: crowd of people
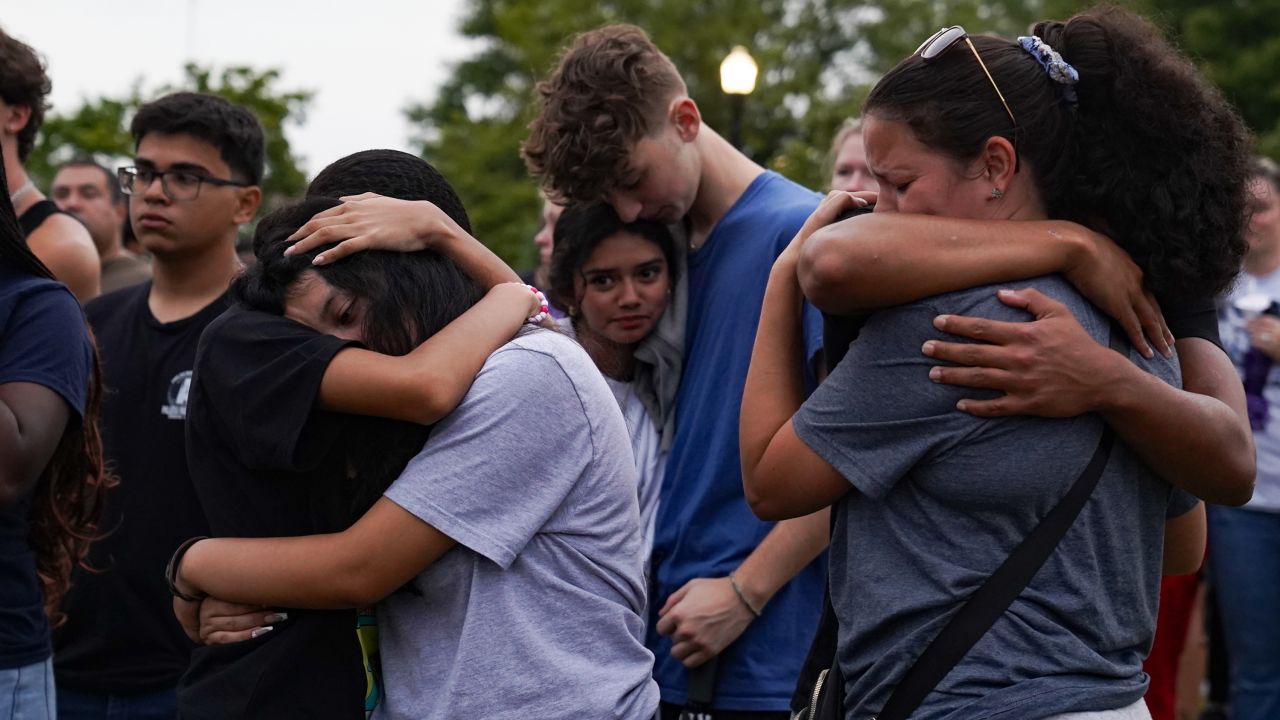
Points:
[[936, 445]]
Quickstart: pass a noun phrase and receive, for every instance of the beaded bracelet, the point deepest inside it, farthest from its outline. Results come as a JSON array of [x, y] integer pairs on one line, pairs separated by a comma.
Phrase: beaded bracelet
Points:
[[544, 310]]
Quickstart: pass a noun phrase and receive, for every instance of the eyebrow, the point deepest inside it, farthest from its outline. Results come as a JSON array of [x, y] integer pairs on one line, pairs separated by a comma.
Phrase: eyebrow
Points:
[[180, 166], [605, 270]]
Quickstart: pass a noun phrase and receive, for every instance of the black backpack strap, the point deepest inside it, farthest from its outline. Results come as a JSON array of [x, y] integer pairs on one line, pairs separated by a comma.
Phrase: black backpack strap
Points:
[[990, 601]]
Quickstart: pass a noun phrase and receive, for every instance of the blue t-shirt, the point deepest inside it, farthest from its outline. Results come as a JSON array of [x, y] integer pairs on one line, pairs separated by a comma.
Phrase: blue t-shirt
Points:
[[940, 500], [43, 340], [704, 527]]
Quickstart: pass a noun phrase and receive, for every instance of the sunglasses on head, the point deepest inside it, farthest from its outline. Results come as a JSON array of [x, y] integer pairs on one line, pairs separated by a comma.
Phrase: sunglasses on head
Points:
[[944, 40]]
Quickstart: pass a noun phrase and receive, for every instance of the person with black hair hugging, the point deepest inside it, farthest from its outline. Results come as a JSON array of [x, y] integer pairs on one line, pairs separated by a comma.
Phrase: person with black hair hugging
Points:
[[975, 136], [520, 512], [52, 479], [616, 280]]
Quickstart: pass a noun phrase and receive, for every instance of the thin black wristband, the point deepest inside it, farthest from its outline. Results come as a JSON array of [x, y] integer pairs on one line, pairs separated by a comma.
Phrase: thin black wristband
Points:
[[171, 570]]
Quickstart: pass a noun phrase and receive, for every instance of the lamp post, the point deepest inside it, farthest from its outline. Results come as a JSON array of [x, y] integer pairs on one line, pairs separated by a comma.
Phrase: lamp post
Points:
[[738, 73]]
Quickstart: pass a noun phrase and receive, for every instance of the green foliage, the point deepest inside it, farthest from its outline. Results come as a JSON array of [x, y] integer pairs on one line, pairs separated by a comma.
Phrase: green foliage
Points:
[[817, 59], [100, 127]]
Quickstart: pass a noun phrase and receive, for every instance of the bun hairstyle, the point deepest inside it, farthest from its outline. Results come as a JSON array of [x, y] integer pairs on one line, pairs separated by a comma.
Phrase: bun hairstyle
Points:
[[1150, 153]]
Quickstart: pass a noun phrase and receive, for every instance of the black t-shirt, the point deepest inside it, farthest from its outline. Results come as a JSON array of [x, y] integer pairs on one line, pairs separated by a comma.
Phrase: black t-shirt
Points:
[[121, 636], [43, 341], [265, 463]]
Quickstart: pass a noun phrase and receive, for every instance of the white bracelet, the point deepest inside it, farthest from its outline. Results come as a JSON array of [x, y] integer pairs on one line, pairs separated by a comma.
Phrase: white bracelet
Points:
[[544, 310]]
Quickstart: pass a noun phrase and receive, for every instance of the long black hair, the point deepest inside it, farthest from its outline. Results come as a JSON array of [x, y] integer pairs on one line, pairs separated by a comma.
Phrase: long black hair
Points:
[[69, 494], [409, 297], [1151, 154]]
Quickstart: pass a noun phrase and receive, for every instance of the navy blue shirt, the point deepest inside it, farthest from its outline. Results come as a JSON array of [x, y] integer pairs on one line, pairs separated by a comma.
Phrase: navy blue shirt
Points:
[[43, 340], [704, 527]]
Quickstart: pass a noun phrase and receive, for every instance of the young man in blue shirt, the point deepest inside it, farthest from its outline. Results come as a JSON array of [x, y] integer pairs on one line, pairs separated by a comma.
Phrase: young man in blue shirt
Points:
[[615, 124]]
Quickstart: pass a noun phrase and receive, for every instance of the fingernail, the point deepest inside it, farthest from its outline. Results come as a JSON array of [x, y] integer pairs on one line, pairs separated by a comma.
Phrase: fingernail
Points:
[[940, 322], [319, 260], [928, 349], [258, 632], [935, 374], [288, 251], [1005, 293], [962, 405], [860, 201], [276, 617]]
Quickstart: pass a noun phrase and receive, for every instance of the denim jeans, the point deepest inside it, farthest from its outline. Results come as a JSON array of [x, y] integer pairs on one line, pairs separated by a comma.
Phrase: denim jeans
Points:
[[77, 705], [26, 693], [1244, 562]]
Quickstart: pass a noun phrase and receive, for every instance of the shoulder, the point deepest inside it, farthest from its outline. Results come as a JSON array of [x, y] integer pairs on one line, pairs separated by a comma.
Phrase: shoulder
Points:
[[782, 202], [117, 303], [22, 297], [545, 368], [64, 245]]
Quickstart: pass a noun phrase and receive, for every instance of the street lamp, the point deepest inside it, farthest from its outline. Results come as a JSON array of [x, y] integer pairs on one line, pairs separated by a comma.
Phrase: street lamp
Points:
[[738, 74]]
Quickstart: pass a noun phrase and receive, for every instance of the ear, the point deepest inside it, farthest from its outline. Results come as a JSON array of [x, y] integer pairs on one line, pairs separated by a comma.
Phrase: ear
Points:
[[247, 204], [121, 207], [16, 118], [1001, 162], [684, 115]]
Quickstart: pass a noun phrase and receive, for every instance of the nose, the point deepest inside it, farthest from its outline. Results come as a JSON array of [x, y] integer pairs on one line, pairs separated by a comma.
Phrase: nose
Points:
[[153, 192], [628, 210], [627, 295]]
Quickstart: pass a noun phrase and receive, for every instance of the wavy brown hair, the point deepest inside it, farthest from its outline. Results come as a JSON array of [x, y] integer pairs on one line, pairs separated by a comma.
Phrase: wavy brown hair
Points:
[[68, 495], [610, 88]]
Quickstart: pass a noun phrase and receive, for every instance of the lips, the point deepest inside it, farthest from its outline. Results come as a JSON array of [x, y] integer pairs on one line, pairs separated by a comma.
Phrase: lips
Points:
[[151, 221], [631, 322]]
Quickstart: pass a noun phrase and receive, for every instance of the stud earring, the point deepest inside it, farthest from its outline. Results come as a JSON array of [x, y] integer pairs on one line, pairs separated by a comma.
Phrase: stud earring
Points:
[[996, 193]]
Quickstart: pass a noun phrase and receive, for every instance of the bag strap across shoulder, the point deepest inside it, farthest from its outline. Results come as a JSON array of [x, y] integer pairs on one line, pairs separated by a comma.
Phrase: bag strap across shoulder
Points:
[[990, 601]]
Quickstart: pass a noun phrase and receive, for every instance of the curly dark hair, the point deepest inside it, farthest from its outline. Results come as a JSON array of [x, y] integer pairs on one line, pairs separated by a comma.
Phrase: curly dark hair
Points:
[[580, 229], [392, 173], [229, 127], [69, 494], [610, 88], [23, 81], [1151, 154]]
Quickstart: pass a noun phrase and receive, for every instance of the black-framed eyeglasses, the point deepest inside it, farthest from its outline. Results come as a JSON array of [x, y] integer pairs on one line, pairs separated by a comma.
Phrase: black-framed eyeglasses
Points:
[[176, 184], [943, 40]]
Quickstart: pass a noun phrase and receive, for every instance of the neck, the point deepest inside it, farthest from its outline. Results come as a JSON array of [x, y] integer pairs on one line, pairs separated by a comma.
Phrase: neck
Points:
[[1259, 261], [726, 174], [183, 285], [616, 361], [111, 249]]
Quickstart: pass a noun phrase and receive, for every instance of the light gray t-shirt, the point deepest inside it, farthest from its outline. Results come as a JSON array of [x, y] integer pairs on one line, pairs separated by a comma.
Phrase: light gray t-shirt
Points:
[[940, 500], [536, 611], [1248, 298]]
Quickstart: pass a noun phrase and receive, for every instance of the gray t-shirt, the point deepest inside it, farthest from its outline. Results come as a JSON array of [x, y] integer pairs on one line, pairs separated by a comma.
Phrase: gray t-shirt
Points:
[[536, 611], [942, 497]]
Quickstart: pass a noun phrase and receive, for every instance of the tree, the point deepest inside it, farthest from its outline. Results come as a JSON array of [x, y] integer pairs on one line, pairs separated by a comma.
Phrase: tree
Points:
[[100, 127], [817, 59]]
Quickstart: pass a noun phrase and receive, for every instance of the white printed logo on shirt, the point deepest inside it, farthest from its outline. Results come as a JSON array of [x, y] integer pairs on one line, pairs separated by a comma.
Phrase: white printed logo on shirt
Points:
[[179, 389]]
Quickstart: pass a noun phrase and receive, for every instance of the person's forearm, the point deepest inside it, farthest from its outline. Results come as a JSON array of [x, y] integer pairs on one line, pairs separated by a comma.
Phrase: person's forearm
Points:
[[429, 382], [1190, 437], [302, 572], [884, 259], [785, 551], [774, 389]]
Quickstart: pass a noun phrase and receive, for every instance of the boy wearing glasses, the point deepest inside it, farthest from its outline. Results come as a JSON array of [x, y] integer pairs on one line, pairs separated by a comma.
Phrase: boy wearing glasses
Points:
[[194, 181], [734, 600]]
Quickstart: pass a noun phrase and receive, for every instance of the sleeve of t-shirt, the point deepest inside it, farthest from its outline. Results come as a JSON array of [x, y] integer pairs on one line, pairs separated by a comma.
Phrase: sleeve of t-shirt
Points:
[[878, 414], [1192, 318], [262, 374], [45, 342], [498, 467]]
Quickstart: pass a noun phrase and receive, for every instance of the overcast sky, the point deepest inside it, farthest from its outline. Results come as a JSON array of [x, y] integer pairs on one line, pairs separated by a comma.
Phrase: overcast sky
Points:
[[364, 60]]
